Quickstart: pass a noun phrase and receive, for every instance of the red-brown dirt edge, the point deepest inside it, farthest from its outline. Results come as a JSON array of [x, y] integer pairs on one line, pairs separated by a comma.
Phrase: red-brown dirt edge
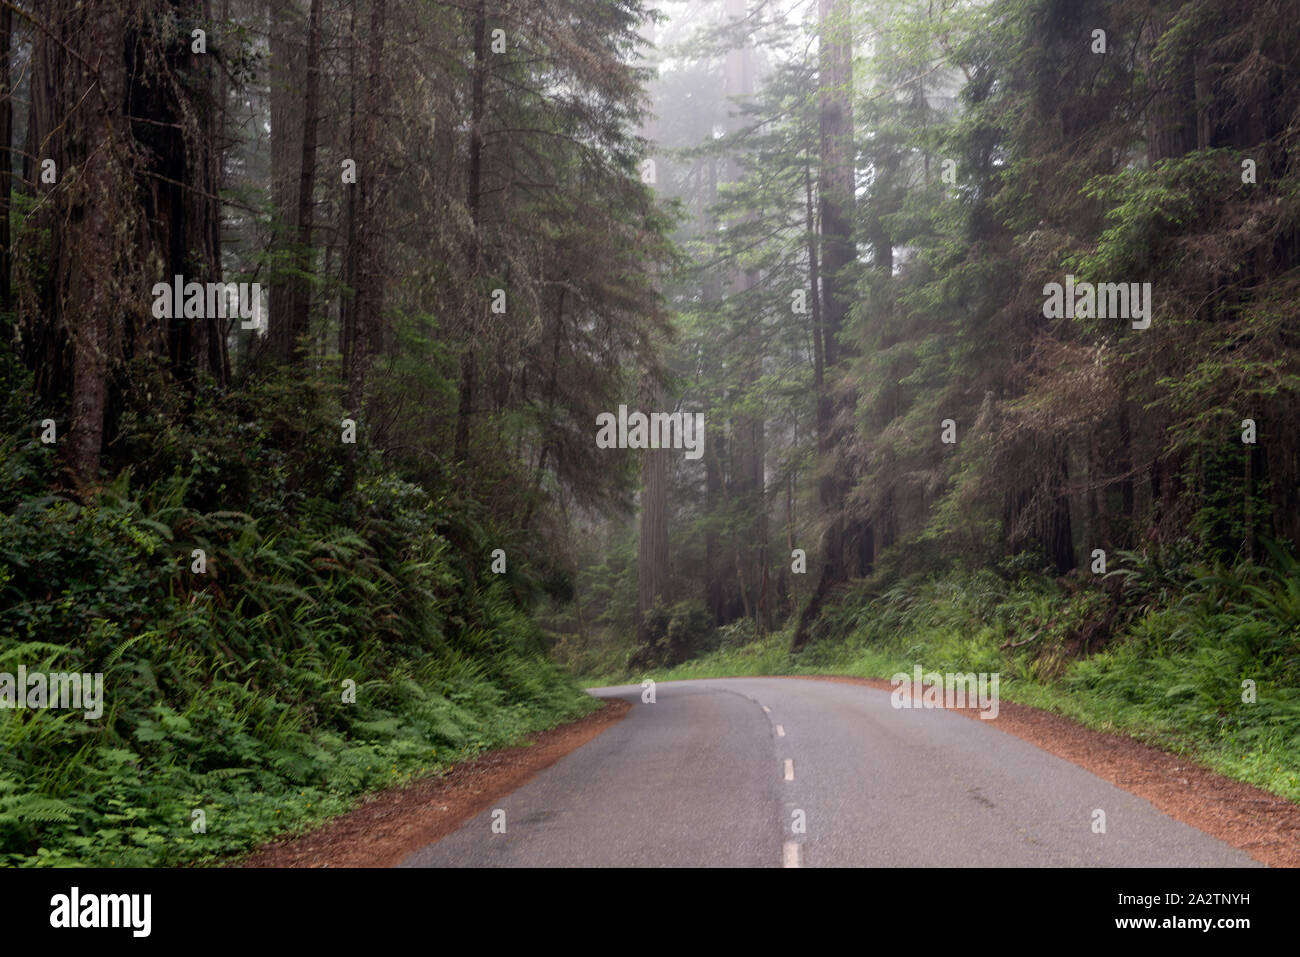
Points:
[[392, 824], [1264, 825]]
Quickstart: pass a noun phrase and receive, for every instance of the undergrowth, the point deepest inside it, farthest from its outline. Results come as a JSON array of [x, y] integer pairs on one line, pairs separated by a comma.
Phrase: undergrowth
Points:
[[339, 648], [1204, 661]]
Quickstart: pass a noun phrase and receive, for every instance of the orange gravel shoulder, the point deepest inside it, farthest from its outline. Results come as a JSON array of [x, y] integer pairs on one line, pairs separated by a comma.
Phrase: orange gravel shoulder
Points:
[[1264, 825], [393, 824]]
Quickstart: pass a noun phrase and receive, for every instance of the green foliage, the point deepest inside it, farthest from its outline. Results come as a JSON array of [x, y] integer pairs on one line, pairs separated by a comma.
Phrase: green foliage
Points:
[[1180, 643], [674, 633], [225, 691]]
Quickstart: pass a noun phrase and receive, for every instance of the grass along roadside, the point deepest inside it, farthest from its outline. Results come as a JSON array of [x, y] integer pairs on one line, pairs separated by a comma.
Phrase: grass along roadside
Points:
[[388, 826], [1171, 671]]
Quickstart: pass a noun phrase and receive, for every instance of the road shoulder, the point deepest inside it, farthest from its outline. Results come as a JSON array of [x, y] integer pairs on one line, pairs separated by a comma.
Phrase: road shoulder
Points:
[[1263, 825], [392, 824]]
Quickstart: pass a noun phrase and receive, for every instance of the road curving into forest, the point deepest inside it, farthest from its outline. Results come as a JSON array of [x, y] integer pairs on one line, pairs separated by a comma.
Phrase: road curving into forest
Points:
[[771, 772]]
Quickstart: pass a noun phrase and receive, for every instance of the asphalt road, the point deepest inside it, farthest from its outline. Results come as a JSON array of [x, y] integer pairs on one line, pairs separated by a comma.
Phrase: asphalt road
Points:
[[722, 772]]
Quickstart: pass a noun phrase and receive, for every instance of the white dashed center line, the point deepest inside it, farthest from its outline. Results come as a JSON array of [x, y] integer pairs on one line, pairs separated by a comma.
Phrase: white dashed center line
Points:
[[790, 854], [780, 731], [789, 769]]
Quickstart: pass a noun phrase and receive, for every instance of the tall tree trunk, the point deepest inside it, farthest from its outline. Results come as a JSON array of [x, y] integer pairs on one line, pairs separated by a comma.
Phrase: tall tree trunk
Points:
[[1171, 128], [219, 349], [45, 347], [1059, 535], [747, 447], [787, 559], [351, 248], [91, 308], [286, 140], [715, 437], [6, 157], [201, 163], [814, 286], [836, 180], [468, 361], [370, 278], [299, 309], [714, 590], [652, 564]]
